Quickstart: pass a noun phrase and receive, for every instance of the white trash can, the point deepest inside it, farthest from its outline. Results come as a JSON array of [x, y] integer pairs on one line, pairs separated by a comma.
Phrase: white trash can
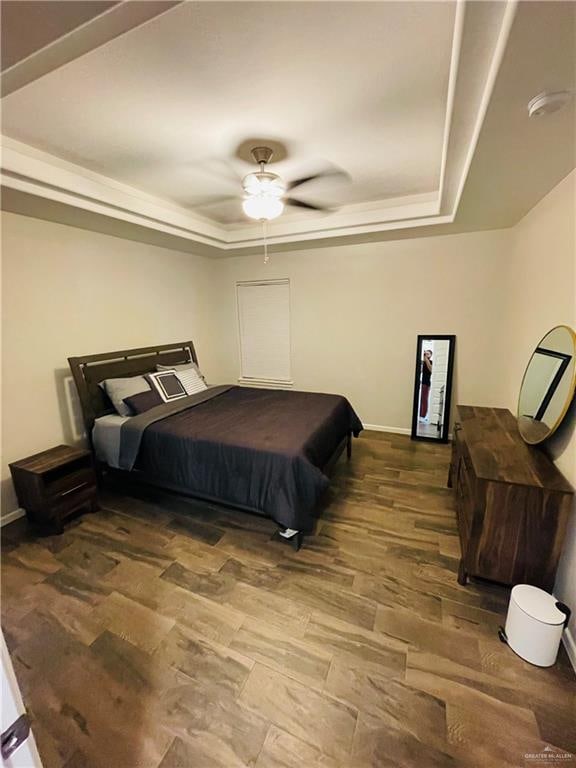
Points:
[[534, 624]]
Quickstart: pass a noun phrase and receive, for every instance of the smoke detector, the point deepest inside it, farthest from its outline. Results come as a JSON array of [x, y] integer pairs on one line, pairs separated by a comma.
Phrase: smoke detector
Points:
[[546, 103]]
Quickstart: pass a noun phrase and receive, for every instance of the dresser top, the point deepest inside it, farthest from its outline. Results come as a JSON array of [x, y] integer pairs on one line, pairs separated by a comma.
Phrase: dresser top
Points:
[[498, 452]]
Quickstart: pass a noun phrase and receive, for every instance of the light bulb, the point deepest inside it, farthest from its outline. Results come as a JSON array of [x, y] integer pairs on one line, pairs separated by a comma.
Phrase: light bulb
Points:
[[262, 207]]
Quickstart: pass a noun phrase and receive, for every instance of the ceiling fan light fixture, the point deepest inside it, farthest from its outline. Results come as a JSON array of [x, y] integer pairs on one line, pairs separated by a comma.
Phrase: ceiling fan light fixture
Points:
[[263, 207], [263, 183]]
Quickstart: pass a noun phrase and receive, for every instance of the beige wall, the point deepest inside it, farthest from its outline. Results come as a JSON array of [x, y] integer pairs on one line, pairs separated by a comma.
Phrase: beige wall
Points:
[[542, 294], [356, 312], [68, 292]]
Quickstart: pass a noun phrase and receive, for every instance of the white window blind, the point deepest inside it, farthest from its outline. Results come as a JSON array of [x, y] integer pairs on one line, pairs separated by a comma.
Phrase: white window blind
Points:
[[264, 324]]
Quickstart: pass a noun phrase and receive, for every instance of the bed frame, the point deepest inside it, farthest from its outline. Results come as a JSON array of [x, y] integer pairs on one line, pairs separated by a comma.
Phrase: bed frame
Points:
[[88, 370]]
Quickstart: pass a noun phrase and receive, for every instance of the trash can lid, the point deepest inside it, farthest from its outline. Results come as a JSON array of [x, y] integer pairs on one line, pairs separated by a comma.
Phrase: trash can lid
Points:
[[538, 604]]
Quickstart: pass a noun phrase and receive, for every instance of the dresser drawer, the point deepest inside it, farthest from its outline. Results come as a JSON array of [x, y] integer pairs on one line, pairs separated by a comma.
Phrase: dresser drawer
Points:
[[464, 501]]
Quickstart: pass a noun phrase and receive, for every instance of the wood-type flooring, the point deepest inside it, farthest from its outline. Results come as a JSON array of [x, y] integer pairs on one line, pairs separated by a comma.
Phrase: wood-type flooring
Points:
[[163, 632]]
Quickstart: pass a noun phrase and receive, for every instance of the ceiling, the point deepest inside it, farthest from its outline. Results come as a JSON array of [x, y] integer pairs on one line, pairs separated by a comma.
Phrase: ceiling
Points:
[[162, 106], [143, 115]]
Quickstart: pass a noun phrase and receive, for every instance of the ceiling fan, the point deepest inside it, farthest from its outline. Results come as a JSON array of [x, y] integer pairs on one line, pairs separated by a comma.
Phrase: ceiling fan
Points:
[[266, 193]]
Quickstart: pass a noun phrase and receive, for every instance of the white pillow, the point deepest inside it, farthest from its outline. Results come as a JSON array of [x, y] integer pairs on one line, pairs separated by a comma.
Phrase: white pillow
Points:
[[191, 381]]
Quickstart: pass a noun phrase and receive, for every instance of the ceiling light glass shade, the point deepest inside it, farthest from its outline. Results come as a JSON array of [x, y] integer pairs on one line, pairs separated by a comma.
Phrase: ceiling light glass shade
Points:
[[263, 183], [262, 207]]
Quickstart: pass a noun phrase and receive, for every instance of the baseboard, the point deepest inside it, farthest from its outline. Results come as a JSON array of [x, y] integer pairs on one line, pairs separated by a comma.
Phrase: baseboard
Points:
[[16, 514], [570, 645], [393, 430]]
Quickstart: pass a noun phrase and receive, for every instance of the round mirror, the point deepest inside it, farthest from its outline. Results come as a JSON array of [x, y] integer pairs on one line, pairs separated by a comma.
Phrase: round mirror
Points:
[[548, 385]]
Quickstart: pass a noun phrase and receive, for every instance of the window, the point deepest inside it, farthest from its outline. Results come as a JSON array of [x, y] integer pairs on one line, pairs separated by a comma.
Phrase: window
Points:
[[264, 326]]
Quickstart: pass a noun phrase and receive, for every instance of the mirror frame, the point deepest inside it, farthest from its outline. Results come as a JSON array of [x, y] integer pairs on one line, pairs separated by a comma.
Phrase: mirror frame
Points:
[[568, 400], [443, 438]]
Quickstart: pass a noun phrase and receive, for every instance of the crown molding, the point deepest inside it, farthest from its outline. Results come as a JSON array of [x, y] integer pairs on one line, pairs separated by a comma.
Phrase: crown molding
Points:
[[100, 29], [30, 170], [496, 60], [451, 96], [27, 169]]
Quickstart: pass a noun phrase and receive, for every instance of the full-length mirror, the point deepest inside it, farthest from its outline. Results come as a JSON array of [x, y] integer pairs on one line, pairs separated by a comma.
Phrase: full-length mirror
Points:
[[548, 385], [432, 387]]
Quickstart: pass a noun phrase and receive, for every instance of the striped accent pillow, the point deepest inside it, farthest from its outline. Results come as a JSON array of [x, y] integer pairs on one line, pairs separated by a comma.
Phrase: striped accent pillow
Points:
[[191, 381], [183, 367]]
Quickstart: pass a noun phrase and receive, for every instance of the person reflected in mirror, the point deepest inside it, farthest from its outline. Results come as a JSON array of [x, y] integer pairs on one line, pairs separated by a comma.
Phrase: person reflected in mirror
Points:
[[425, 384]]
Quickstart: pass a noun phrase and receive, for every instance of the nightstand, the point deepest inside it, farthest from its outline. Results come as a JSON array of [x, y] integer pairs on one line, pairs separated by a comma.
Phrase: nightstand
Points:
[[54, 484]]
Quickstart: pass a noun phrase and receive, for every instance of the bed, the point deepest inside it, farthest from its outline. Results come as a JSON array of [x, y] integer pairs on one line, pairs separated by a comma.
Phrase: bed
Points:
[[264, 451]]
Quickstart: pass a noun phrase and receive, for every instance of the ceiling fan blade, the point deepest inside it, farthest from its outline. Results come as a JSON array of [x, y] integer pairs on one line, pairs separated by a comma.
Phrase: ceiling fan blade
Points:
[[214, 200], [320, 175], [226, 170], [302, 204], [304, 180]]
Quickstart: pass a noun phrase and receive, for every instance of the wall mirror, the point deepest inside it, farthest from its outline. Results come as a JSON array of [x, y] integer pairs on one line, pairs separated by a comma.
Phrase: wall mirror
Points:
[[548, 385], [433, 387]]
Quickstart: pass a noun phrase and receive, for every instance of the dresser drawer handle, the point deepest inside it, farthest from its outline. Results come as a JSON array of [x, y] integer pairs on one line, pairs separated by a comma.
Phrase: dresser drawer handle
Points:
[[15, 735], [75, 488]]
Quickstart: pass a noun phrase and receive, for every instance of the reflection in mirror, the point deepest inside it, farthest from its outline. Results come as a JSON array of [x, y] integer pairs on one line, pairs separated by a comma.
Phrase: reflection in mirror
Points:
[[548, 385], [432, 390]]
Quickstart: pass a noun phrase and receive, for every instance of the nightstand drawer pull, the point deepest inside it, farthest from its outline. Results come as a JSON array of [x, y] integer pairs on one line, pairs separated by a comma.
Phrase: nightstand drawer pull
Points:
[[76, 488]]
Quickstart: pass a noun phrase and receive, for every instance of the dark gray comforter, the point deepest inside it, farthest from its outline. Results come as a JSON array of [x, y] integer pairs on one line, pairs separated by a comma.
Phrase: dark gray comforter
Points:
[[263, 450]]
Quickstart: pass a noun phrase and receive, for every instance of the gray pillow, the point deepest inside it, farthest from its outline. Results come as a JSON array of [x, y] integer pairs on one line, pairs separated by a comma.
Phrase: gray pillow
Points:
[[118, 389], [183, 367]]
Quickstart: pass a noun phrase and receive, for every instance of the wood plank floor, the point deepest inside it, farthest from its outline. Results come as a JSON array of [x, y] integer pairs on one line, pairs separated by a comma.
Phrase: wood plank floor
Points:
[[165, 632]]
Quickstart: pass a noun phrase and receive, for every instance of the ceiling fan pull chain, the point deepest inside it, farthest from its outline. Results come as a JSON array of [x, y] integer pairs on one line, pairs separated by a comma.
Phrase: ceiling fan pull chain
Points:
[[266, 258]]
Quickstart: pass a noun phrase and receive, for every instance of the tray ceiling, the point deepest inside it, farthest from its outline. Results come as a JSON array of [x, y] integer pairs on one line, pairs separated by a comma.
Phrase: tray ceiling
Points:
[[145, 127]]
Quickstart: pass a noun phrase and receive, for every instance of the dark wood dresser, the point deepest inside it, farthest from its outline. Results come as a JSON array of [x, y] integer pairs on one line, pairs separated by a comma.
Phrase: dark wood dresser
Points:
[[512, 503], [55, 484]]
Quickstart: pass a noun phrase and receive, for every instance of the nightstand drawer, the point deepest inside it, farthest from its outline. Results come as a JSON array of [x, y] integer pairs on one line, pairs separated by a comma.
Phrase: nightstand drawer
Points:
[[71, 500], [71, 483]]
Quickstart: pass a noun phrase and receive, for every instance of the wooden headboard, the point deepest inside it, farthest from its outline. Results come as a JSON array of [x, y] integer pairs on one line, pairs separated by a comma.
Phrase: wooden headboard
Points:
[[88, 370]]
